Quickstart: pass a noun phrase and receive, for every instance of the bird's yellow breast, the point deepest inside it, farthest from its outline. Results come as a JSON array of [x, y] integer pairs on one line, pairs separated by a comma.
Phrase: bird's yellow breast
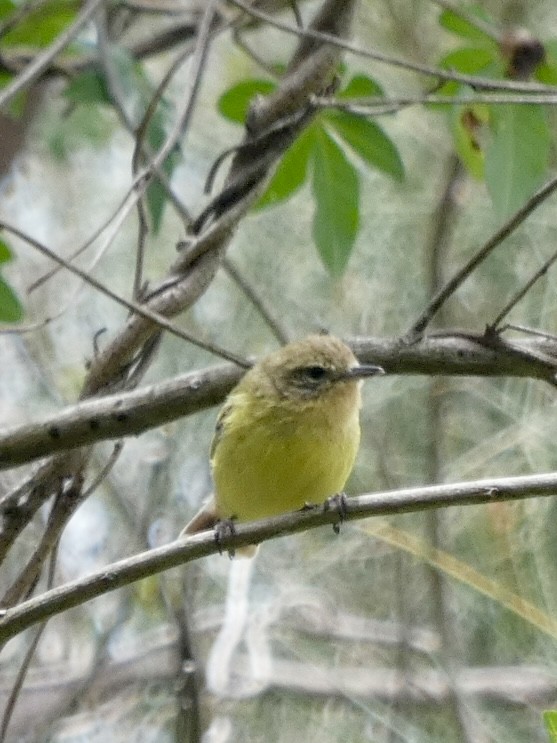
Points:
[[269, 459]]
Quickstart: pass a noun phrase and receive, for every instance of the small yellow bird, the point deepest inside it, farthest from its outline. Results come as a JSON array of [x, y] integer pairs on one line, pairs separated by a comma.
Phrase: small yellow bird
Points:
[[288, 433]]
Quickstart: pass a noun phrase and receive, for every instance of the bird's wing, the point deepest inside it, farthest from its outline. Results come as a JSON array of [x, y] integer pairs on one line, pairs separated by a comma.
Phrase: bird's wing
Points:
[[219, 427]]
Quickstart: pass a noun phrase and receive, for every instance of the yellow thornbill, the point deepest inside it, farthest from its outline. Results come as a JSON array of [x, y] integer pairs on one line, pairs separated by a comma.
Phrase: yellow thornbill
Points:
[[288, 433]]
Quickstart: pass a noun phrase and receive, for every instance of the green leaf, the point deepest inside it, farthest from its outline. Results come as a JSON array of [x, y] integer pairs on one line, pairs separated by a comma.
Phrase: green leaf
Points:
[[156, 201], [517, 158], [43, 25], [467, 123], [368, 141], [16, 105], [7, 7], [291, 172], [156, 195], [5, 252], [336, 191], [279, 68], [10, 306], [468, 60], [546, 72], [234, 103], [5, 78], [88, 87], [11, 309], [361, 86], [84, 123], [463, 28], [550, 721]]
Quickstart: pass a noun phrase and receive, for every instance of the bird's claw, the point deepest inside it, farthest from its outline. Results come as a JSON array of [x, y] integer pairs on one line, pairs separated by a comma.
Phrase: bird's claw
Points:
[[337, 503], [225, 528]]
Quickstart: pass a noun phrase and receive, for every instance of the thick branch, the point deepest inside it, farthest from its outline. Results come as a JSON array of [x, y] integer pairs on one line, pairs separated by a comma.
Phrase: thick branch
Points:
[[115, 416], [132, 413]]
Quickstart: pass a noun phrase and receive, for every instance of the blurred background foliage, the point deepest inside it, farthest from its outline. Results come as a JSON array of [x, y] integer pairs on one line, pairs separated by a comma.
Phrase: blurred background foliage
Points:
[[435, 627]]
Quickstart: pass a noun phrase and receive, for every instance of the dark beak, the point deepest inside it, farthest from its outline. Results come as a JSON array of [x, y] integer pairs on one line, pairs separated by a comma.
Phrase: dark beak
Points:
[[363, 370]]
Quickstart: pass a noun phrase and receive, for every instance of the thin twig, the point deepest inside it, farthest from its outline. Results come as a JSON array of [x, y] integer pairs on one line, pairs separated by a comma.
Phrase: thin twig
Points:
[[480, 83], [109, 72], [408, 500], [59, 515], [515, 299], [40, 324], [257, 300], [381, 106], [40, 63], [496, 239], [118, 216], [528, 331], [142, 150], [139, 309], [204, 37], [23, 669], [65, 505]]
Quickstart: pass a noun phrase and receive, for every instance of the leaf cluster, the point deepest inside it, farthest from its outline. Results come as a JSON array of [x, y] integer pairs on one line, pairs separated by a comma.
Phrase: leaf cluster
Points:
[[509, 146]]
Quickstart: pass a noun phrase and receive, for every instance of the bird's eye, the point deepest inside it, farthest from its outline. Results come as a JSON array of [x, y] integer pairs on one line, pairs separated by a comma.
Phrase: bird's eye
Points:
[[315, 373]]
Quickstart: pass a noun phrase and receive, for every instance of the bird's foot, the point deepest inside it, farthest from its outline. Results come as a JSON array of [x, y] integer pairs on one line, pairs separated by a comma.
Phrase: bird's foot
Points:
[[337, 503], [225, 528]]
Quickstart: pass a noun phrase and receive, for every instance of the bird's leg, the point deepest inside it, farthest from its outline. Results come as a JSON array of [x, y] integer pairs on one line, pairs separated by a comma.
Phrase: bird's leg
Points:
[[337, 503], [225, 528]]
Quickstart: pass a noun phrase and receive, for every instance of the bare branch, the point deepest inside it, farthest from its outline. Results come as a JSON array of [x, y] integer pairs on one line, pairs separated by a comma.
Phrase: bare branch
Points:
[[507, 229], [381, 106], [257, 300], [17, 687], [131, 413], [479, 83], [180, 552], [521, 293], [115, 416], [140, 309]]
